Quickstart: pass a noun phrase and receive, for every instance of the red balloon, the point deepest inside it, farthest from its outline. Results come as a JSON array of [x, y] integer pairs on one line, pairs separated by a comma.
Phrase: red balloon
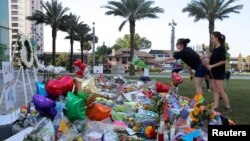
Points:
[[177, 78], [79, 73], [60, 86], [78, 62], [160, 87], [82, 67]]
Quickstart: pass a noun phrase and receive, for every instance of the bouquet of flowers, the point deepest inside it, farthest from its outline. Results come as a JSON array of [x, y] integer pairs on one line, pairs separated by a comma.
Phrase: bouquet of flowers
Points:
[[201, 115]]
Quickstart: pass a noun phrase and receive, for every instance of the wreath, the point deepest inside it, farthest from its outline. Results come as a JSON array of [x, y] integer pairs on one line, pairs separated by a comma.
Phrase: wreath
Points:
[[26, 52]]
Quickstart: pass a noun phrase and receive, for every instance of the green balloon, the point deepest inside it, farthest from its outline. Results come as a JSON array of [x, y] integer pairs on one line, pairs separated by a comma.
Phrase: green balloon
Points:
[[75, 107], [83, 95]]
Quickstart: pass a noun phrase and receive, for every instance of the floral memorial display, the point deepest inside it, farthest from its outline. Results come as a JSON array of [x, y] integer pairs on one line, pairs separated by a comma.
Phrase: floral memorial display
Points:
[[97, 108]]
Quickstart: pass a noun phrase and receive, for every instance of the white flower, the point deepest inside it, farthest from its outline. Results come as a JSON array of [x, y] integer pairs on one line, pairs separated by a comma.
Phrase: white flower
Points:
[[24, 53]]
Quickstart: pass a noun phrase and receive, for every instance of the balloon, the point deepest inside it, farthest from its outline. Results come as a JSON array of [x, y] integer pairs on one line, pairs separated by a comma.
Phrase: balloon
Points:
[[81, 67], [160, 87], [60, 86], [86, 85], [75, 107], [83, 95], [41, 89], [79, 73], [44, 105], [176, 78]]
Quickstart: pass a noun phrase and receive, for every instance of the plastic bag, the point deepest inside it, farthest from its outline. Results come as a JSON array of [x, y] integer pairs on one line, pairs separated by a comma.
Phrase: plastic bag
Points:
[[43, 131], [99, 131]]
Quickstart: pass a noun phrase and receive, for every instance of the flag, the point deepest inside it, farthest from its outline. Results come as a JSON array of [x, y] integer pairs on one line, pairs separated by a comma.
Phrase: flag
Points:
[[138, 62], [181, 121]]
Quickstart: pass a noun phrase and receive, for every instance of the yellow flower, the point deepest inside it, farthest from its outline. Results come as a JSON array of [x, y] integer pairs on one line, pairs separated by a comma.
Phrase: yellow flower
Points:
[[196, 111]]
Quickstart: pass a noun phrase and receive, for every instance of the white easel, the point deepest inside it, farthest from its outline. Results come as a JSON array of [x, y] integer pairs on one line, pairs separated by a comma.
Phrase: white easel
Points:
[[21, 70]]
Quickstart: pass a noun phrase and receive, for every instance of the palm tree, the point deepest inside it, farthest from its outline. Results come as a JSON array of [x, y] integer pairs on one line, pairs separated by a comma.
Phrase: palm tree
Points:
[[83, 36], [132, 11], [53, 16], [211, 10], [70, 25]]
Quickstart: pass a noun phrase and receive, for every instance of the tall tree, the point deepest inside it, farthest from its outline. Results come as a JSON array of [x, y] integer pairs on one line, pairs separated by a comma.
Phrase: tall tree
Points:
[[248, 61], [211, 10], [132, 11], [70, 25], [240, 60], [83, 36], [141, 43], [102, 52], [53, 16]]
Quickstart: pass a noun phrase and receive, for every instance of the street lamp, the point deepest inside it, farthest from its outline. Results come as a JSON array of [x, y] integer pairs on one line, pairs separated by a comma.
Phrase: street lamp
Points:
[[172, 24], [93, 45]]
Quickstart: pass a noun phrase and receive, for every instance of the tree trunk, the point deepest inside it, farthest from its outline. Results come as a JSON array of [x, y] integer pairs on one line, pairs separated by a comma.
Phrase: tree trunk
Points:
[[71, 54], [81, 44], [132, 46], [211, 30], [53, 58]]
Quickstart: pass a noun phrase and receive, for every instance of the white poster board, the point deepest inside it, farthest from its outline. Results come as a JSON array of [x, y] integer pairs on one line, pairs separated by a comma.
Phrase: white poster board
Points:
[[117, 69], [9, 85], [98, 69], [146, 72]]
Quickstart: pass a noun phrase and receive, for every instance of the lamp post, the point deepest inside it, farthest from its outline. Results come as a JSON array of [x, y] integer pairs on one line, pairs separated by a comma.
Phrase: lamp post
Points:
[[172, 24], [93, 45]]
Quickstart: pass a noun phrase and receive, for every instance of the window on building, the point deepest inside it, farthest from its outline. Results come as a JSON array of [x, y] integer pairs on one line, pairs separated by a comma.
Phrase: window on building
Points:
[[33, 8], [14, 36], [41, 7], [14, 24], [167, 55], [14, 1], [14, 18], [110, 59], [117, 59], [14, 7], [124, 60], [33, 2], [14, 12], [14, 30], [160, 55]]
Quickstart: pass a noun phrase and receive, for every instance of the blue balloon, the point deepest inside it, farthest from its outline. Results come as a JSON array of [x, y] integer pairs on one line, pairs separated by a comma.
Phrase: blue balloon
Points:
[[41, 89]]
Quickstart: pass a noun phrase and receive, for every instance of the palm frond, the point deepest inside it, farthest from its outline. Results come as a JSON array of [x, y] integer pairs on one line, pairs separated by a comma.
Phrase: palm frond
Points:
[[122, 24]]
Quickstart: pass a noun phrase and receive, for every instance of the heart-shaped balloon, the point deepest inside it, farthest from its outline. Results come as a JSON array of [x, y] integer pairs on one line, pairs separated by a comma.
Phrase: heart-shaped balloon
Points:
[[60, 86], [80, 67], [44, 105], [77, 62], [40, 89], [160, 87], [177, 78]]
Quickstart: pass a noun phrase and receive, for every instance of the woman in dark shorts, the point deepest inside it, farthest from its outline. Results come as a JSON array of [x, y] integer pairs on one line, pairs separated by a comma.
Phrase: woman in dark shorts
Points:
[[193, 60], [217, 70]]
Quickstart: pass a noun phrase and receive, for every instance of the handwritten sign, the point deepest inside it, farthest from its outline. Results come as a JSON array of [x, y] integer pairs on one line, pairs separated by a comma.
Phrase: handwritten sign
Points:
[[9, 85]]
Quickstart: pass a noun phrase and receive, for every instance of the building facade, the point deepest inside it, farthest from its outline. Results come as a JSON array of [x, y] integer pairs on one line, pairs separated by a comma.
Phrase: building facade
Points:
[[122, 57], [159, 54], [19, 10], [4, 32]]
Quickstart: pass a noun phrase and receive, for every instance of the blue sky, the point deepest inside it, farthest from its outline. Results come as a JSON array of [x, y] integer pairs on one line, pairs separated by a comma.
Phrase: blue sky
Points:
[[236, 28]]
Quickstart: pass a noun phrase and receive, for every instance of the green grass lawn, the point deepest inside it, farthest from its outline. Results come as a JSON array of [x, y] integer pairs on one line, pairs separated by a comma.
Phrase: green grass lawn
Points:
[[237, 90]]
